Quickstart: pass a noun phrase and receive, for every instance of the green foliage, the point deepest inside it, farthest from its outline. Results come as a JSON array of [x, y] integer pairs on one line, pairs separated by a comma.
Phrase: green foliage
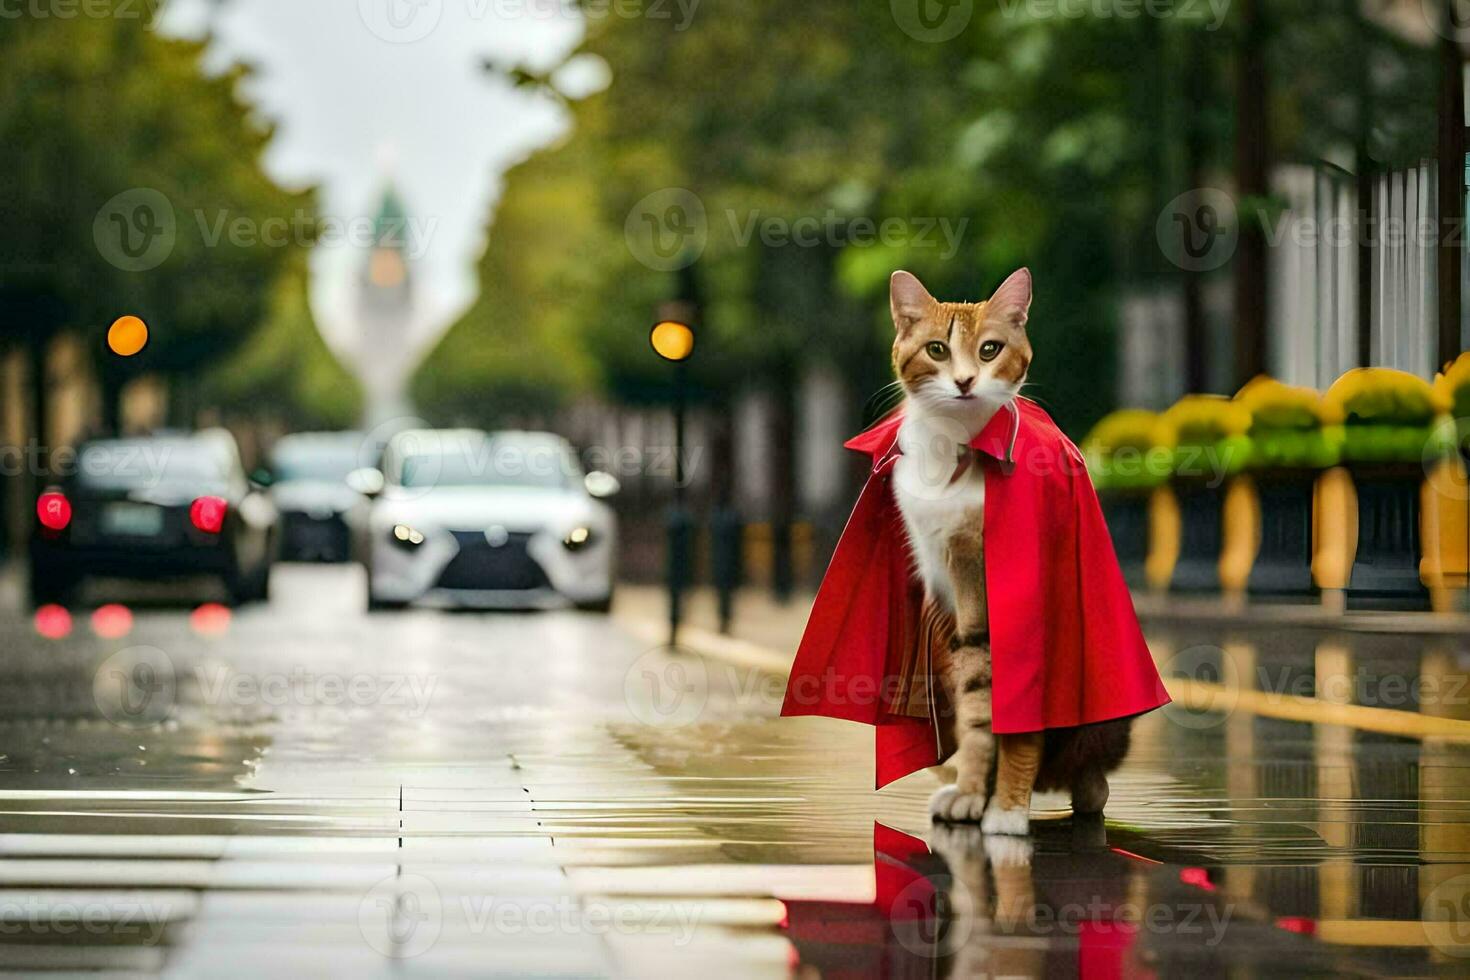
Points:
[[99, 106], [285, 370], [1388, 443], [1123, 453], [1049, 142], [1130, 468], [1293, 447]]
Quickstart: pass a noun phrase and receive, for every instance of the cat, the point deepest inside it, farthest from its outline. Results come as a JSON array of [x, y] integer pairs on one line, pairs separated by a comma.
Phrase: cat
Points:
[[959, 364]]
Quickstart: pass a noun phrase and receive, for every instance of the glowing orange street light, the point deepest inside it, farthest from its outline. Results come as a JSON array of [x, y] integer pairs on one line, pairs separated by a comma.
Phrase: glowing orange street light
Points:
[[672, 340], [127, 336]]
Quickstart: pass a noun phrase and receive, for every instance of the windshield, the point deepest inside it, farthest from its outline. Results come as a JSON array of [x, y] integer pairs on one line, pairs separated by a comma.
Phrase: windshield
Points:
[[328, 461], [531, 464], [140, 464]]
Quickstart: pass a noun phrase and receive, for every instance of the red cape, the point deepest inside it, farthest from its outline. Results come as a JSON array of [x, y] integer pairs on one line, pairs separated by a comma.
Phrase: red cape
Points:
[[1066, 647]]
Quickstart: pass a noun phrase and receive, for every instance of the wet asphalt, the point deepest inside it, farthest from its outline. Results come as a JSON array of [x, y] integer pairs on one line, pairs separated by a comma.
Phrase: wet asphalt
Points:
[[303, 788]]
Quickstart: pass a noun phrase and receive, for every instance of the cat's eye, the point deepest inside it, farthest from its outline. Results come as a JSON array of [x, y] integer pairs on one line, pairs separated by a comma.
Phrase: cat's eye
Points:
[[937, 349], [990, 350]]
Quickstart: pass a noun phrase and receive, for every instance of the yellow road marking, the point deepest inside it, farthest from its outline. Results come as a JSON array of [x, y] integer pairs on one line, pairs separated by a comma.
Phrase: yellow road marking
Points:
[[1204, 696], [1389, 932], [742, 653], [1194, 694]]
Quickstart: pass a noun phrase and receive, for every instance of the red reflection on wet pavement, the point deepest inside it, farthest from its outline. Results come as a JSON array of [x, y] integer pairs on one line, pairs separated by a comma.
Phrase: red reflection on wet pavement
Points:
[[1297, 924], [1198, 877], [112, 621], [53, 622], [210, 619]]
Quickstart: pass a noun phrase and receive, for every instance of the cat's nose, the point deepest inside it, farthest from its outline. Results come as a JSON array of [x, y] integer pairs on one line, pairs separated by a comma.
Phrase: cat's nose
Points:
[[965, 384]]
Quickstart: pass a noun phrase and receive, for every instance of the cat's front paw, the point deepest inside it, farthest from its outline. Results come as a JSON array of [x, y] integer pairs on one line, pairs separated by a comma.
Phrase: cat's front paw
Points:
[[956, 842], [1007, 851], [1016, 822], [953, 806]]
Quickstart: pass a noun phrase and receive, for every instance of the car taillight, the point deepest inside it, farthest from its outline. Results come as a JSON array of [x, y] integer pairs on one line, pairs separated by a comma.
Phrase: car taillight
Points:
[[208, 514], [53, 510]]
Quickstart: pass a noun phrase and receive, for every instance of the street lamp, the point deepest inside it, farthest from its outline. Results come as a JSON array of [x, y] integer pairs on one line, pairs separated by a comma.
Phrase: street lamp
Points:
[[127, 336], [672, 338]]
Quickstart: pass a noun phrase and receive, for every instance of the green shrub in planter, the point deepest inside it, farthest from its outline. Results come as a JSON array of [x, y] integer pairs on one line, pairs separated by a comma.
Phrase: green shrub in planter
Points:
[[1126, 466], [1122, 454], [1207, 437], [1452, 387], [1208, 441], [1290, 447], [1387, 416], [1391, 426], [1288, 427]]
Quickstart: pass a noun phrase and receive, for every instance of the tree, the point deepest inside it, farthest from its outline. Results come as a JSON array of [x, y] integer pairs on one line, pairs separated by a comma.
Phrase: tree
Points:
[[285, 372], [110, 129]]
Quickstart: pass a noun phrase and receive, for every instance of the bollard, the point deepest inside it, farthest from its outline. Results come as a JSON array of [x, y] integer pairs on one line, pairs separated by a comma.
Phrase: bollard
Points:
[[726, 533], [680, 559]]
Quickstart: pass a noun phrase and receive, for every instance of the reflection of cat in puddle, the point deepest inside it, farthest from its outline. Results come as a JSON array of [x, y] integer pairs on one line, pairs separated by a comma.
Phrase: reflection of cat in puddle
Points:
[[1022, 908], [990, 896]]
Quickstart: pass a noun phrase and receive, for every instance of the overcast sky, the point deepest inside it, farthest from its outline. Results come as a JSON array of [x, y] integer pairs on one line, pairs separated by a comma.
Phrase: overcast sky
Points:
[[365, 90]]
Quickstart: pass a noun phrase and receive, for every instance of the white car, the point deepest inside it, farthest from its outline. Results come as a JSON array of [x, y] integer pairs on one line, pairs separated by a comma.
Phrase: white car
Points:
[[469, 518]]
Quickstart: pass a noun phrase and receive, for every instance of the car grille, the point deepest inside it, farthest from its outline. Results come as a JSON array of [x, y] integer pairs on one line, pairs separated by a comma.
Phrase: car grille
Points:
[[509, 567], [304, 536]]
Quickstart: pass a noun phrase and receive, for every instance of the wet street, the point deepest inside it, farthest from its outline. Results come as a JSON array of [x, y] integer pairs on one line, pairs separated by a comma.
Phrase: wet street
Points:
[[302, 787]]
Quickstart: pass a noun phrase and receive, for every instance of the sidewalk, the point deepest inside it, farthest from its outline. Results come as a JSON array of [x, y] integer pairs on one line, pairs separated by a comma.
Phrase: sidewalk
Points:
[[764, 630], [1162, 608], [764, 633]]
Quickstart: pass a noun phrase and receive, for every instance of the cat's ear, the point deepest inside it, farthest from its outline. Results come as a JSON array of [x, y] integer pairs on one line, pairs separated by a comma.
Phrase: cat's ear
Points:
[[1012, 300], [908, 299]]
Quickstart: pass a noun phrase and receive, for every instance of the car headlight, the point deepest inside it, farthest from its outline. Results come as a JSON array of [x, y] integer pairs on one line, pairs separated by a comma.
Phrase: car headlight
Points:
[[406, 536], [577, 538]]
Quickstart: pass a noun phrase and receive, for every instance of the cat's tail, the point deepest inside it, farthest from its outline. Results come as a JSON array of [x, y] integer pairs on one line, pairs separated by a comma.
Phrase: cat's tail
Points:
[[1068, 753]]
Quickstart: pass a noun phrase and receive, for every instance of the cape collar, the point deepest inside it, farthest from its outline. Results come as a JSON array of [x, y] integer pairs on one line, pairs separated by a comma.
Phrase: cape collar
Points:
[[997, 440]]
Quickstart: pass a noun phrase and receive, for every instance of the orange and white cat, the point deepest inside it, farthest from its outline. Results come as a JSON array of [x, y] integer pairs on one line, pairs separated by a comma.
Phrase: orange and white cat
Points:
[[960, 364]]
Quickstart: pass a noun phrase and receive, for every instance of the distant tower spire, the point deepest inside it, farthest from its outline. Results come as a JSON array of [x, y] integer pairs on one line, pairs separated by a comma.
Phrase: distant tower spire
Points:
[[385, 304]]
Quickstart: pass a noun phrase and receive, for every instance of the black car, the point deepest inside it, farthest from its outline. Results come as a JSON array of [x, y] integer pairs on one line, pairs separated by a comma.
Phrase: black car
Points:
[[159, 507], [314, 483]]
